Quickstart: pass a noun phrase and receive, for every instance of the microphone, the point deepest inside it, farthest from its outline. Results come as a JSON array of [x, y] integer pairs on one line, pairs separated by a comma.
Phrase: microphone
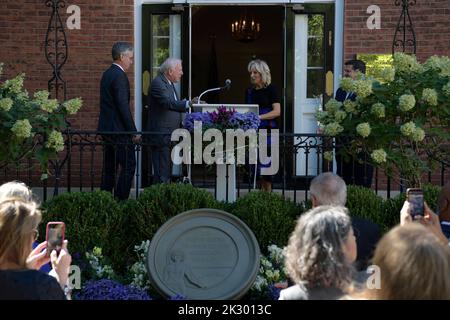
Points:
[[227, 86]]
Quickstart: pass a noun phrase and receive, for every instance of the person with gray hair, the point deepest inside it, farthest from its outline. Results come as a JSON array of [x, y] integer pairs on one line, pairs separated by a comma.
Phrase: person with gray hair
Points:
[[330, 189], [115, 116], [320, 254], [165, 115]]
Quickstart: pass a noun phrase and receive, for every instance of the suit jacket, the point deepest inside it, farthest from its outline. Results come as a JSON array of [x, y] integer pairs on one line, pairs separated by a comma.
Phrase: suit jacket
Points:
[[341, 95], [367, 236], [115, 114], [165, 112]]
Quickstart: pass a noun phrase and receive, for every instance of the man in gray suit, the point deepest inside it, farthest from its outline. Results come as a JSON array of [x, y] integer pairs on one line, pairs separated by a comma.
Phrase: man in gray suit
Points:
[[165, 115]]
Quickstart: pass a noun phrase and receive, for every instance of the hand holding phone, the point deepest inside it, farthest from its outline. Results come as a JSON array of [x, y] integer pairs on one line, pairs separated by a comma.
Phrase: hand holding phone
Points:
[[55, 236], [415, 198]]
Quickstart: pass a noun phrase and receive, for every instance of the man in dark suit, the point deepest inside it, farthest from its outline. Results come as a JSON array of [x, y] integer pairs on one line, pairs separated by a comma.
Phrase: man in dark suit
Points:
[[115, 116], [352, 171], [165, 115], [330, 189]]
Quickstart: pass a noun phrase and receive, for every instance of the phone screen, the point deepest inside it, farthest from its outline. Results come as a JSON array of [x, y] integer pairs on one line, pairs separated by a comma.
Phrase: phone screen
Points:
[[415, 198], [55, 237]]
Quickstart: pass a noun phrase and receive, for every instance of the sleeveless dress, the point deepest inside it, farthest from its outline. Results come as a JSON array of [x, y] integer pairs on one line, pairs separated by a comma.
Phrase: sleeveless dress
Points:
[[264, 98]]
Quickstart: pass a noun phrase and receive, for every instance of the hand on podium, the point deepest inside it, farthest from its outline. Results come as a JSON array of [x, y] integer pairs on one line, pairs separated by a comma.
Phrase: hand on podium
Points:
[[195, 101]]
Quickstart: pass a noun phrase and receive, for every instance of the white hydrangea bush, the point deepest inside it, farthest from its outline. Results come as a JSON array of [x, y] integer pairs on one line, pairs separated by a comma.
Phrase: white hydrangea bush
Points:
[[32, 125], [400, 120]]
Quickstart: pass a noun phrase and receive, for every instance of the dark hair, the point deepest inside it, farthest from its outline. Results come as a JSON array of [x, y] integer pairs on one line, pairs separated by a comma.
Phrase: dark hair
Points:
[[120, 48], [357, 65]]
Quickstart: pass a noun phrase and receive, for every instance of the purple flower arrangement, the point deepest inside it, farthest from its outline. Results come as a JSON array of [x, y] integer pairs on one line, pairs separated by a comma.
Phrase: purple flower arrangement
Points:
[[222, 119], [111, 290]]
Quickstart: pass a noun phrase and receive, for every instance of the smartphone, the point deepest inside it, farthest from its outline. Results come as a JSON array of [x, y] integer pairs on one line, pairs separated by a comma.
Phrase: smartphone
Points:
[[55, 236], [415, 198]]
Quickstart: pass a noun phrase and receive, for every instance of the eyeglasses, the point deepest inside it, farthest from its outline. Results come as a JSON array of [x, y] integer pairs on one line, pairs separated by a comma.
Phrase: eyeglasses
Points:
[[35, 234]]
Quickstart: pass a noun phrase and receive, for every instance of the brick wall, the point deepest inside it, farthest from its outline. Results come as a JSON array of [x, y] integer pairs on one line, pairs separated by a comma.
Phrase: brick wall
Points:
[[23, 26], [431, 22]]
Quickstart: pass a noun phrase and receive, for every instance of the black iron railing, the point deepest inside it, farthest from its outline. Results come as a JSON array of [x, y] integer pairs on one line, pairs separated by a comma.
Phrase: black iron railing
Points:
[[301, 158]]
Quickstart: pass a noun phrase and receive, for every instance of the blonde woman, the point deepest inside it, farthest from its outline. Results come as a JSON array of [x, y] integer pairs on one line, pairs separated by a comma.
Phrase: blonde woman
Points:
[[320, 254], [264, 94], [413, 265], [15, 189], [19, 278]]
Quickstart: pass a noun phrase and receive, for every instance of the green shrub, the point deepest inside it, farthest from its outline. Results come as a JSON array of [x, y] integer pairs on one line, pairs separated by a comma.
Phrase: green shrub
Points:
[[391, 210], [271, 217], [364, 203], [431, 194], [89, 219], [161, 202]]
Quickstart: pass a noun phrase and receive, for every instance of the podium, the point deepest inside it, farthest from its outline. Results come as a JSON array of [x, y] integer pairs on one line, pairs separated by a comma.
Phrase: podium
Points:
[[226, 173]]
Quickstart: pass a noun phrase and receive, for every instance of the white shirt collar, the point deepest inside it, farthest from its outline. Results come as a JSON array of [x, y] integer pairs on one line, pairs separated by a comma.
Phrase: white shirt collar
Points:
[[119, 66]]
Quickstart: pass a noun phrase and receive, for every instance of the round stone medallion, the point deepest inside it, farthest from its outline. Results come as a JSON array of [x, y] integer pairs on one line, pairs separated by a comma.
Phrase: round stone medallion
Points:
[[203, 254]]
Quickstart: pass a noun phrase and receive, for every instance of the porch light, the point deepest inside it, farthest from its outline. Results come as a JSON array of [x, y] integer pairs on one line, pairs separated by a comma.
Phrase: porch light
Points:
[[245, 30]]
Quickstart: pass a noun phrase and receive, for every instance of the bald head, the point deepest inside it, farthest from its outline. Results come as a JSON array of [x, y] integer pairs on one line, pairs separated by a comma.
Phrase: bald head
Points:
[[328, 189]]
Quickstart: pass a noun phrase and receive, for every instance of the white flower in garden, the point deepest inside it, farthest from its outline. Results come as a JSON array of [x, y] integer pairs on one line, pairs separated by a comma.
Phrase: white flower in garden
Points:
[[321, 115], [22, 96], [260, 283], [340, 115], [22, 128], [430, 96], [56, 141], [350, 106], [363, 87], [14, 85], [333, 129], [265, 263], [439, 64], [49, 105], [418, 135], [408, 129], [406, 64], [328, 155], [446, 89], [40, 96], [346, 84], [332, 106], [406, 102], [387, 74], [378, 109], [73, 105], [379, 155], [363, 129], [6, 104]]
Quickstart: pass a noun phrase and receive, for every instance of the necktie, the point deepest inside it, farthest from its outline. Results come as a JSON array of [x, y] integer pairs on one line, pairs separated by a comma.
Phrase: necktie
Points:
[[174, 92]]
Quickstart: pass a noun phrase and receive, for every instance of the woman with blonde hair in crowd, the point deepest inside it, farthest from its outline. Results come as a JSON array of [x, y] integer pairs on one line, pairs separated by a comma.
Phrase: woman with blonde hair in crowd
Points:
[[413, 265], [16, 189], [19, 278], [320, 254]]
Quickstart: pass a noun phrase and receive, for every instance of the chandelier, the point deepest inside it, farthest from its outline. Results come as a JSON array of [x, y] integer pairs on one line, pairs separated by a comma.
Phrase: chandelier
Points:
[[245, 30]]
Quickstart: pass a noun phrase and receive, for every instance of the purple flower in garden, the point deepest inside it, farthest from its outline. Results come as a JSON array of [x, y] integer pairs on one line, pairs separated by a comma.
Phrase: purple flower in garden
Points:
[[223, 119], [111, 290], [197, 116], [273, 292]]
